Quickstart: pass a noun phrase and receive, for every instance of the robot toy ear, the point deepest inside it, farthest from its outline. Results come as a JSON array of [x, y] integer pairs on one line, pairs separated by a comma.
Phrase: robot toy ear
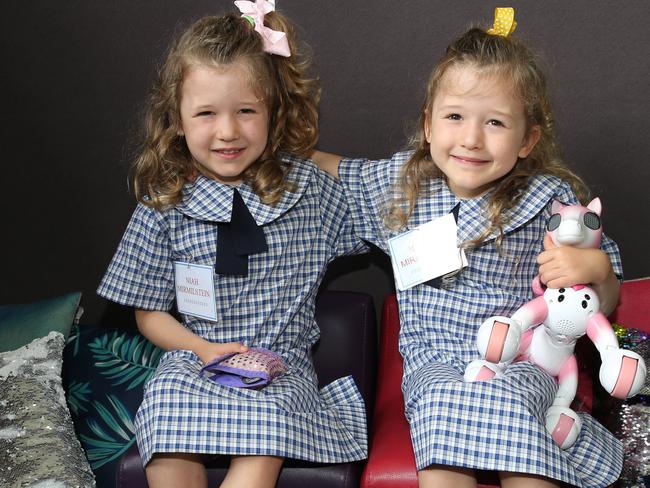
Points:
[[556, 206], [595, 206]]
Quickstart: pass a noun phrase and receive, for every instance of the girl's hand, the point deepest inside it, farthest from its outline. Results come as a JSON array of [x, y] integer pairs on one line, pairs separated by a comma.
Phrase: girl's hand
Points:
[[210, 350], [166, 332], [566, 266], [327, 162]]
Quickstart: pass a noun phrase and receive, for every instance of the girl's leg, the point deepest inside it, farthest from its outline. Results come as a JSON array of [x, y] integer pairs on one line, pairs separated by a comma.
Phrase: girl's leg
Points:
[[253, 472], [176, 469], [521, 480], [446, 476]]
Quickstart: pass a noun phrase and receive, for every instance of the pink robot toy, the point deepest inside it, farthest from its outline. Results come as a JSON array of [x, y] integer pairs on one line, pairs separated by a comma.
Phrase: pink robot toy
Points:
[[544, 331]]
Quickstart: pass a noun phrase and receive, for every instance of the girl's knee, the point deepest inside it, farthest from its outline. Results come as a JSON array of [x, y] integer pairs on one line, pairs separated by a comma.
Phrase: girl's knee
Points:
[[253, 471], [262, 463], [525, 480], [446, 476], [176, 469]]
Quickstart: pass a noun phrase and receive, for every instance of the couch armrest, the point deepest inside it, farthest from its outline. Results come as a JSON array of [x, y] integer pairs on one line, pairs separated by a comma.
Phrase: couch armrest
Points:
[[391, 462], [633, 309], [348, 343]]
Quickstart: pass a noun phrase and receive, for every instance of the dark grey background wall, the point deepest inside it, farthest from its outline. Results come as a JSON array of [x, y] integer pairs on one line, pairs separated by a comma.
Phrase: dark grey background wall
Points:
[[75, 74]]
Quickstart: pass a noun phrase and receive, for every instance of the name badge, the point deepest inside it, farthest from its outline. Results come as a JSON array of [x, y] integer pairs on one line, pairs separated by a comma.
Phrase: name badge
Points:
[[195, 290], [426, 252]]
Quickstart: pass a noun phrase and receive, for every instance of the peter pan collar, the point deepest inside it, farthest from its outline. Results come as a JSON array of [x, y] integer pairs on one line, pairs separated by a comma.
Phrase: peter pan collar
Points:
[[472, 217], [210, 200]]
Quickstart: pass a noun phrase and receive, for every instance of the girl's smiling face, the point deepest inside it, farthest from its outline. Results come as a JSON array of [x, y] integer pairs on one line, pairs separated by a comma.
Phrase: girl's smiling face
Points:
[[225, 123], [476, 129]]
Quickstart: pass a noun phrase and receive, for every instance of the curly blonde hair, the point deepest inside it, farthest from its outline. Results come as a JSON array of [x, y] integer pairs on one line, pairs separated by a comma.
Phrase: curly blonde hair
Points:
[[509, 58], [165, 164]]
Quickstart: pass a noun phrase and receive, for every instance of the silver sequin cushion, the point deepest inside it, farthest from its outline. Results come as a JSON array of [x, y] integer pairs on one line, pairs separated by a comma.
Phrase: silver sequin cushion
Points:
[[38, 446]]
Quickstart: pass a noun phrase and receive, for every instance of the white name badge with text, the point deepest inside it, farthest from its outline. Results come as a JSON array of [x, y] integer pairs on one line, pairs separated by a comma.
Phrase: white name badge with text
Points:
[[426, 252], [195, 290]]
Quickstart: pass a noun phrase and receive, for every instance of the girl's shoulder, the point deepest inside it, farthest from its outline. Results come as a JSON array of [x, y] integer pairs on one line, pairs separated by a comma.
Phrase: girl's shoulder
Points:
[[150, 215], [318, 185], [306, 177], [378, 174], [536, 200], [148, 223], [393, 163], [300, 171], [544, 188]]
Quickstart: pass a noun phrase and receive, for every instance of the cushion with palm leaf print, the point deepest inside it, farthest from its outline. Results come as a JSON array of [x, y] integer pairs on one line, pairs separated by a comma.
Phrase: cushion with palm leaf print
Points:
[[104, 374]]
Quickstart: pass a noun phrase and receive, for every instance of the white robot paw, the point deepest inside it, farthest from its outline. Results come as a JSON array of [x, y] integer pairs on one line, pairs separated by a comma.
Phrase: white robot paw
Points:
[[498, 339], [564, 425], [622, 373], [481, 370]]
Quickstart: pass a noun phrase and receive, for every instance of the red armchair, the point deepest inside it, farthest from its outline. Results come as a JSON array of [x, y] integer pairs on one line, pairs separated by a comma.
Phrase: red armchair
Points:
[[391, 463]]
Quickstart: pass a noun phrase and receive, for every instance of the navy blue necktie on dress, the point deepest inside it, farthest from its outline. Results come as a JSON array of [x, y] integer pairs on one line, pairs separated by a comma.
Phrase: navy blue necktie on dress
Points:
[[237, 239], [436, 282]]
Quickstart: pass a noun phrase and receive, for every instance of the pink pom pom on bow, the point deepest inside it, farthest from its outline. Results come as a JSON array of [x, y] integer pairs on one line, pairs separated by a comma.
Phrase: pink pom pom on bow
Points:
[[275, 42]]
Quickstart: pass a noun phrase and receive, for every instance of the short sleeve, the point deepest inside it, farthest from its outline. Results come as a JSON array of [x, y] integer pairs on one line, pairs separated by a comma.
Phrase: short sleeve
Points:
[[367, 187], [141, 272], [336, 217]]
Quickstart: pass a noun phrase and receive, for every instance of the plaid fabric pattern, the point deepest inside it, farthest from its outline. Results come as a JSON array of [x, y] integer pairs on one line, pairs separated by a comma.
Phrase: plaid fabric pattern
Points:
[[272, 307], [495, 425]]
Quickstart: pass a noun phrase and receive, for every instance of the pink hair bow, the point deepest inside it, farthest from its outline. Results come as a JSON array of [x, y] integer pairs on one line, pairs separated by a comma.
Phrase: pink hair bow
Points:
[[275, 42]]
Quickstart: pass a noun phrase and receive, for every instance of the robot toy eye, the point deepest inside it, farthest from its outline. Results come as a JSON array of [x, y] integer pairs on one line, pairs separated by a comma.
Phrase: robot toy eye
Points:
[[553, 222], [591, 220]]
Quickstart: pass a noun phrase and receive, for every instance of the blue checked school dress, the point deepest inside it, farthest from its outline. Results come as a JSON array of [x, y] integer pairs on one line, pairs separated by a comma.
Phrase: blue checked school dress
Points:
[[271, 307], [490, 425]]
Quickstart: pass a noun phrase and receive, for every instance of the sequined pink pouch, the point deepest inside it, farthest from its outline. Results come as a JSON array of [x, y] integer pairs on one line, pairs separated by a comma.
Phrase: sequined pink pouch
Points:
[[254, 368]]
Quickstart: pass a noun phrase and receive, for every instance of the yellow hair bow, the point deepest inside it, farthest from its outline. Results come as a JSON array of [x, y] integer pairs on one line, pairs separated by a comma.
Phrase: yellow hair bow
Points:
[[504, 22]]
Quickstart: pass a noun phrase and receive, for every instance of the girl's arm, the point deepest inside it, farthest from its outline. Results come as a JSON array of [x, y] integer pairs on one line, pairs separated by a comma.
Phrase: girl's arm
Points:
[[327, 162], [166, 332], [566, 266]]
